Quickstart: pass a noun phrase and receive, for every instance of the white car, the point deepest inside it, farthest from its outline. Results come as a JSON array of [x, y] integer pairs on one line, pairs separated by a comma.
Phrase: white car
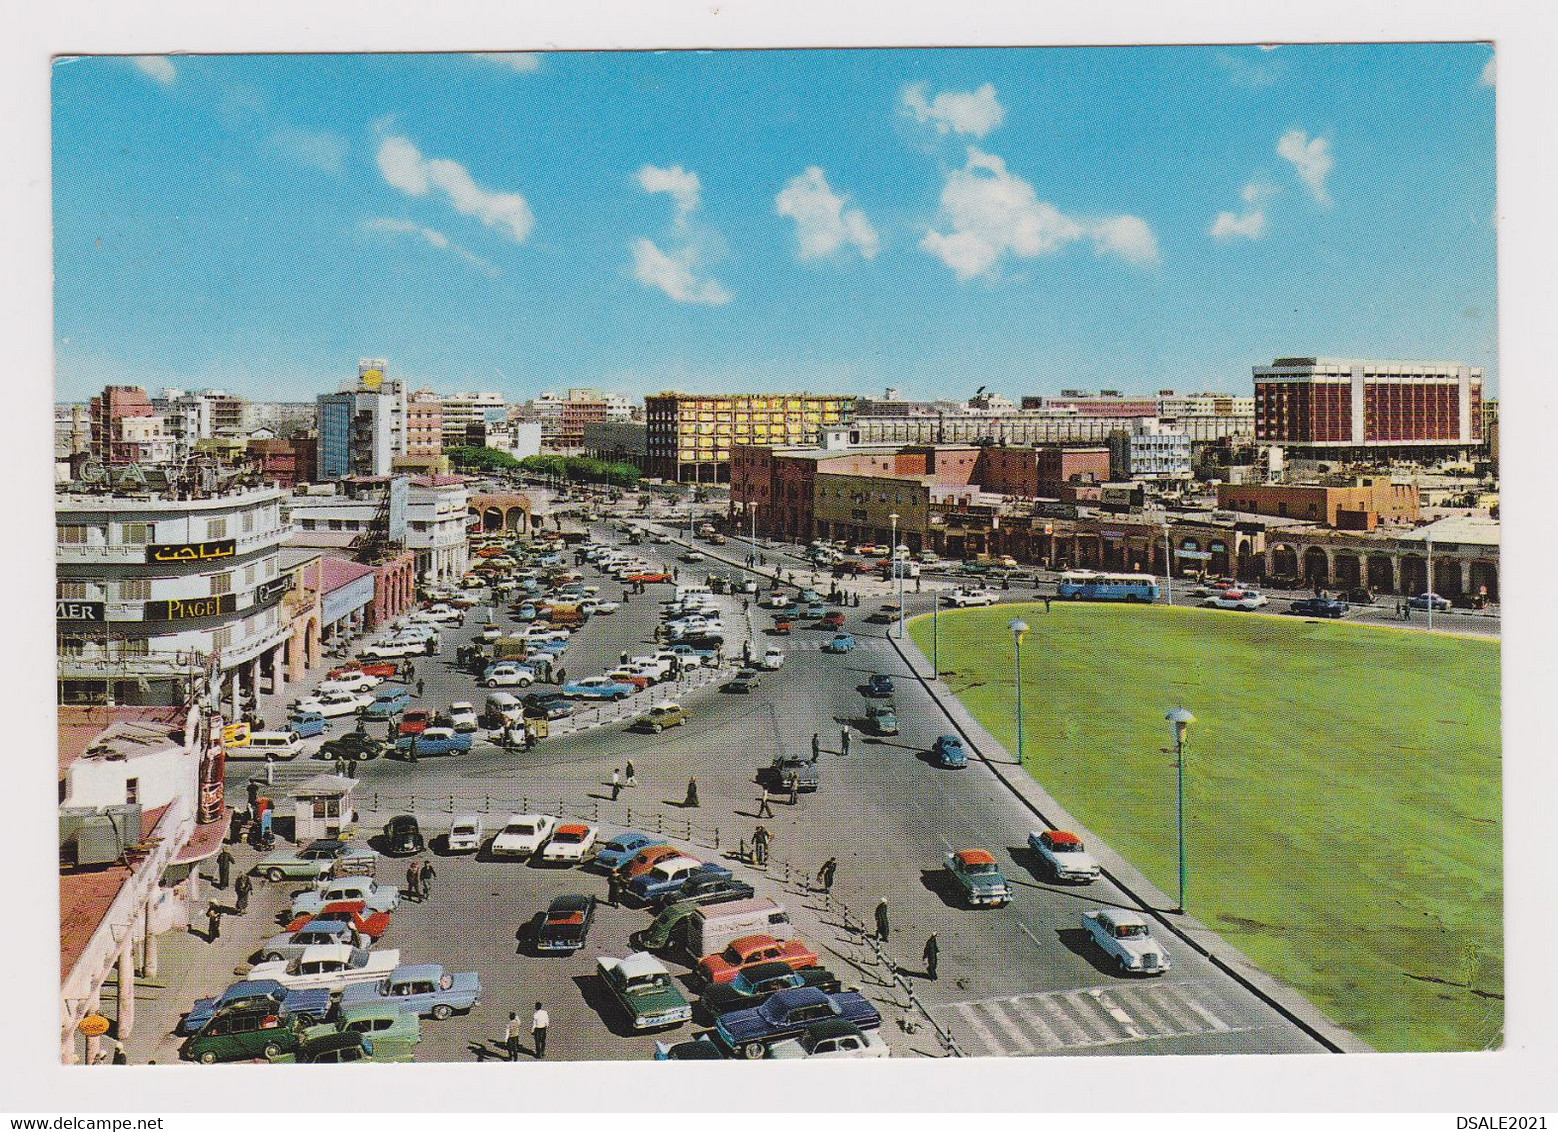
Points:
[[1064, 855], [964, 598], [351, 682], [489, 633], [1124, 935], [510, 674], [394, 649], [776, 600], [772, 658], [749, 586], [1236, 599], [464, 834], [334, 704], [522, 835], [463, 716], [656, 667], [416, 632], [330, 966], [834, 1038], [440, 614], [570, 843], [603, 607]]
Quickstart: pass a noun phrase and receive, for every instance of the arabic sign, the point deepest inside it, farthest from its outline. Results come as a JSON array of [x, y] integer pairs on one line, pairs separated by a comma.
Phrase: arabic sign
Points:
[[79, 611], [185, 609], [191, 551], [267, 592]]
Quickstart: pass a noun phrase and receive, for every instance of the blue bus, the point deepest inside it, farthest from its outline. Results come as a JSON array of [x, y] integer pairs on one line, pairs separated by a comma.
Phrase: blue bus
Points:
[[1085, 585]]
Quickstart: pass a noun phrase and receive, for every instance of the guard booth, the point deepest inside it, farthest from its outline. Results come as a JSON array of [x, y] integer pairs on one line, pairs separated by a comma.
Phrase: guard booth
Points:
[[322, 807]]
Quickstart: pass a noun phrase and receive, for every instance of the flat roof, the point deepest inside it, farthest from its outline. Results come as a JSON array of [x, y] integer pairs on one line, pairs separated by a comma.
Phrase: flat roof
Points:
[[86, 896], [122, 728], [1475, 530]]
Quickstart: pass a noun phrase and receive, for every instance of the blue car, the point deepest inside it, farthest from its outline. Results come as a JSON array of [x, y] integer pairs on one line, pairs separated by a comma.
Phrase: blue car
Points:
[[434, 741], [879, 686], [649, 888], [598, 688], [841, 642], [312, 1003], [387, 703], [527, 612], [623, 848], [949, 753], [788, 1014], [306, 724]]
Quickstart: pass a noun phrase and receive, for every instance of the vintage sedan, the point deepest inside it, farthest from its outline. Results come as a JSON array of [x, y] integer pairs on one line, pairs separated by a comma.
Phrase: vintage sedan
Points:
[[879, 686], [376, 897], [435, 741], [1065, 857], [882, 719], [975, 873], [508, 674], [750, 950], [334, 704], [1319, 607], [565, 924], [307, 1005], [841, 642], [414, 722], [789, 1014], [402, 836], [711, 885], [315, 859], [244, 1034], [387, 704], [424, 989], [465, 834], [773, 659], [644, 991], [755, 984], [570, 844], [307, 724], [365, 922], [353, 681], [331, 966], [318, 930], [611, 855], [522, 835], [1236, 599], [394, 1032], [948, 752], [463, 716], [1124, 936], [597, 688], [832, 1038], [744, 682]]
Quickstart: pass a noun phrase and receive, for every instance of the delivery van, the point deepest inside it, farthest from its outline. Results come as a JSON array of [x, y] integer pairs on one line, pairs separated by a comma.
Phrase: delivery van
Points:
[[263, 745], [709, 929]]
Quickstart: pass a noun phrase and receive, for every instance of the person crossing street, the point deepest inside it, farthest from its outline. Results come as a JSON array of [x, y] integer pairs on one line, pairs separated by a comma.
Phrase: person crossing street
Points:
[[242, 887], [616, 784], [413, 882], [881, 921], [825, 875], [540, 1022], [932, 956], [764, 809], [425, 878]]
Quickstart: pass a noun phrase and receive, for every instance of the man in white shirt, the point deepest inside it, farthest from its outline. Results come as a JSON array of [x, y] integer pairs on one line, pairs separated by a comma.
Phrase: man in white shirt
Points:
[[538, 1025]]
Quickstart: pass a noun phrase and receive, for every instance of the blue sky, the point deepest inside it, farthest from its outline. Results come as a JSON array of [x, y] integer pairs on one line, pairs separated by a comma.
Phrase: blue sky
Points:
[[1025, 220]]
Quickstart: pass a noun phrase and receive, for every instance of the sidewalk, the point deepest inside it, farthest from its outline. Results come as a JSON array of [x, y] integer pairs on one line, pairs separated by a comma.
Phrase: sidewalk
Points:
[[1133, 883]]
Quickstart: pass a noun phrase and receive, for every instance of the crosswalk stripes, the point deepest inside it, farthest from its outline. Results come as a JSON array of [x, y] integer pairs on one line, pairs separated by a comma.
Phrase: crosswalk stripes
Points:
[[1020, 1025]]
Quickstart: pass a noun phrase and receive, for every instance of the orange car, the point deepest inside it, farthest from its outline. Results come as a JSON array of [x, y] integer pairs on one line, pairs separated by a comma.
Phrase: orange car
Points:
[[646, 859], [750, 950]]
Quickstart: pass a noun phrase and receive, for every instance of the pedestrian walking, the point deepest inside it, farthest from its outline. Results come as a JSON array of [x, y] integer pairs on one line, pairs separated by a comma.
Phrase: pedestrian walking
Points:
[[616, 784], [213, 923], [630, 774], [932, 956], [795, 787], [241, 889], [764, 810], [419, 689], [562, 676], [426, 877], [1046, 603], [540, 1021], [816, 745], [511, 1036], [413, 750], [224, 868], [881, 921], [825, 875], [235, 828], [623, 659], [692, 795], [844, 740], [413, 881], [760, 837]]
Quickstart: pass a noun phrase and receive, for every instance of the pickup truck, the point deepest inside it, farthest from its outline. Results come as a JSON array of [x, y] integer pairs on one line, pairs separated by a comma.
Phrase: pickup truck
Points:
[[776, 775], [307, 1004], [425, 989]]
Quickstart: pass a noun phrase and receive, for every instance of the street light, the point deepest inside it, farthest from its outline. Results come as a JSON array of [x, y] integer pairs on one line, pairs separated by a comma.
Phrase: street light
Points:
[[935, 633], [893, 566], [1181, 719], [1168, 562], [1018, 628]]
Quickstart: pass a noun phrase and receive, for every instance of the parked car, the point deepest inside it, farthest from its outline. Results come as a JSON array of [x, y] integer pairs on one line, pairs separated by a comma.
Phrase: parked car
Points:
[[644, 991], [305, 1004], [597, 688], [882, 719], [403, 837], [290, 945], [1319, 607], [744, 682], [754, 985], [619, 850], [375, 896], [646, 859], [841, 642], [664, 882], [384, 670], [1427, 601], [243, 1034], [508, 674], [699, 1048], [369, 924], [424, 989], [776, 775], [465, 834], [307, 724], [387, 703], [393, 1033], [565, 924], [750, 950], [879, 686], [332, 966], [660, 716], [773, 659], [711, 885], [355, 680], [522, 835], [1236, 600], [570, 844], [547, 705], [394, 649], [315, 859], [834, 1037], [435, 741], [333, 704], [1065, 857], [414, 722], [358, 746], [463, 716], [789, 1014], [975, 872], [948, 752], [638, 680], [1124, 936]]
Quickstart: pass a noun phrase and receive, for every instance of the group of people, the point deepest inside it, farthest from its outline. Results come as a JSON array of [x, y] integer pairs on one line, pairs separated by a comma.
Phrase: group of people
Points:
[[419, 880], [618, 781]]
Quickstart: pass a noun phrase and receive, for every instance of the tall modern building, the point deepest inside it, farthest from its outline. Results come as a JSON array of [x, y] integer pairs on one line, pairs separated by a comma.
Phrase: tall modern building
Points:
[[363, 427], [464, 416], [691, 435], [126, 428], [1348, 409]]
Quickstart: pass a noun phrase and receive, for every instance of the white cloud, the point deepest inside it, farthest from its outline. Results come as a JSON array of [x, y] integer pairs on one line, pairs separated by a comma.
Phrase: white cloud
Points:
[[681, 186], [157, 67], [674, 274], [822, 224], [1313, 160], [404, 167], [991, 213], [317, 149], [974, 112], [524, 62], [389, 226], [1249, 224], [1489, 75]]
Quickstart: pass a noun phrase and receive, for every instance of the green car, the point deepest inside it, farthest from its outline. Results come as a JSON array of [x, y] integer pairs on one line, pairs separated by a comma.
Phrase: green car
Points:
[[393, 1032], [642, 987], [314, 860], [244, 1035]]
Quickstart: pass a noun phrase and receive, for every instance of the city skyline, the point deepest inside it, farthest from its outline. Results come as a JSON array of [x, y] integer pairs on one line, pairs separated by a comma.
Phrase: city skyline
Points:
[[894, 218]]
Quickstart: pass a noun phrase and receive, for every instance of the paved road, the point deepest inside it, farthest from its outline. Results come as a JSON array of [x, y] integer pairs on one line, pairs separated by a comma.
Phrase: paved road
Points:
[[1014, 981]]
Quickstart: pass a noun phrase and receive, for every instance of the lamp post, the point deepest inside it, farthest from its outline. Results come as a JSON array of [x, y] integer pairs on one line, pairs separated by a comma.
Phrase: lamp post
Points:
[[1168, 562], [1018, 628], [1181, 720], [892, 560], [1430, 576], [935, 633]]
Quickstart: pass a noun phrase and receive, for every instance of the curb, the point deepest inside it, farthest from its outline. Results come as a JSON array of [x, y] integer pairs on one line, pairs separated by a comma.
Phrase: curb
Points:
[[1285, 1000]]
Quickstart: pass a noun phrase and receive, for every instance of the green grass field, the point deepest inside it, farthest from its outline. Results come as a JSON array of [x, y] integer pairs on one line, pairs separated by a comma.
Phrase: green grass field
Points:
[[1342, 790]]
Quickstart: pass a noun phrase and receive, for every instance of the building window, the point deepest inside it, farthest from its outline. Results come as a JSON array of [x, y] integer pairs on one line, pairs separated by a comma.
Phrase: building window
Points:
[[248, 574], [134, 534], [74, 591], [307, 524], [216, 528], [135, 589], [132, 791], [222, 639], [221, 583], [71, 535], [248, 522], [335, 524]]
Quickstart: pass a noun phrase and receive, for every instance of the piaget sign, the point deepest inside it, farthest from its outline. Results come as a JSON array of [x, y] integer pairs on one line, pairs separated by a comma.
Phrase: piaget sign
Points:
[[192, 551], [186, 609]]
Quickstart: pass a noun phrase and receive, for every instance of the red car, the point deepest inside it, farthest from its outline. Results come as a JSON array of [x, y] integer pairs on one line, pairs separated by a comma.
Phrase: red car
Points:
[[354, 912], [384, 670], [415, 721], [647, 578], [833, 619], [782, 627], [750, 950]]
